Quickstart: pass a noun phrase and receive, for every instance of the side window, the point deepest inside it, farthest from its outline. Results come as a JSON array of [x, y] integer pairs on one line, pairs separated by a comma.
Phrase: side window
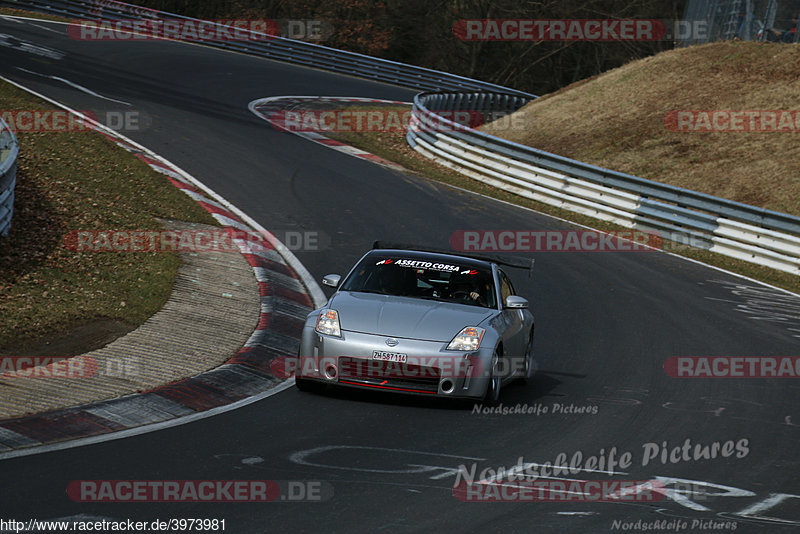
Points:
[[506, 288]]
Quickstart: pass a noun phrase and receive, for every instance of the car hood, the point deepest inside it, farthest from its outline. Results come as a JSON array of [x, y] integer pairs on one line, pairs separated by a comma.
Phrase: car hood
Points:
[[405, 317]]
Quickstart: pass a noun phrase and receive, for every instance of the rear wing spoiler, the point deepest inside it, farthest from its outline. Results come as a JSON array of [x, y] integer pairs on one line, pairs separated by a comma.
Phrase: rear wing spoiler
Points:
[[507, 261]]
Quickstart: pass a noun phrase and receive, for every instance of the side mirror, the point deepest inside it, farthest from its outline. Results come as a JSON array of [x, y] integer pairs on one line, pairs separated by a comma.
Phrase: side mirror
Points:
[[515, 301], [332, 280]]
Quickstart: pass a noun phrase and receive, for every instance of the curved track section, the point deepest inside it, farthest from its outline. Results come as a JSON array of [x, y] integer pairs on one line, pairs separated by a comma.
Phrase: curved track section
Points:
[[606, 322]]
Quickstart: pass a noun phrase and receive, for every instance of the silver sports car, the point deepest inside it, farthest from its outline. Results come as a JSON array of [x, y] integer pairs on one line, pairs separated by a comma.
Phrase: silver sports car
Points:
[[419, 322]]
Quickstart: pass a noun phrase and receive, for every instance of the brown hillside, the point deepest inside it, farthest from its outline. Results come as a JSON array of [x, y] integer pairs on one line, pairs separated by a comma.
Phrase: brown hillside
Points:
[[617, 120]]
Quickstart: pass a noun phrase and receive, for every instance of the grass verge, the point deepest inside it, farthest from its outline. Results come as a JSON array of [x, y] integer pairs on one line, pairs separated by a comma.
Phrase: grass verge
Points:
[[81, 181], [32, 14]]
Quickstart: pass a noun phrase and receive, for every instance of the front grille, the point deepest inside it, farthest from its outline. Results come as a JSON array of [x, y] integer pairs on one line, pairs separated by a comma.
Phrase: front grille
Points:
[[389, 374]]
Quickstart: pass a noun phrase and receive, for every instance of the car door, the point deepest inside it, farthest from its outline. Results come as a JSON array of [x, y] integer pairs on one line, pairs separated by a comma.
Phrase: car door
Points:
[[515, 338]]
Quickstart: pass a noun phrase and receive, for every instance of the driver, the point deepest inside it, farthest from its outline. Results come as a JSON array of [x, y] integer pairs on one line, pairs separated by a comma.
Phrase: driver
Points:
[[464, 287], [394, 280], [386, 281]]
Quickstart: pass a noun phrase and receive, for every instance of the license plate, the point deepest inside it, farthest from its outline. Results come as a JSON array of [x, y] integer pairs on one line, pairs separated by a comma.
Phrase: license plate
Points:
[[389, 356]]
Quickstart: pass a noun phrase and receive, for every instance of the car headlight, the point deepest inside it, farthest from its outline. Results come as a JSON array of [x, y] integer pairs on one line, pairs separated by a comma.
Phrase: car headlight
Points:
[[328, 323], [468, 339]]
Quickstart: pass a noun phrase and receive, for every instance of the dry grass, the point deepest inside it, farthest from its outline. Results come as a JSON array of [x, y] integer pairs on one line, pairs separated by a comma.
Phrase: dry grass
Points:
[[617, 120], [31, 14], [81, 181]]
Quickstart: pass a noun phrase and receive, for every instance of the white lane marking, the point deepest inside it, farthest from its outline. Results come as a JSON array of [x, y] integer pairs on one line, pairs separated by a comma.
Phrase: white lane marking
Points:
[[685, 488], [9, 41], [76, 86], [754, 511], [766, 504], [762, 304], [445, 471], [576, 513], [771, 311], [9, 18], [146, 429], [45, 28], [18, 19], [347, 149], [301, 457]]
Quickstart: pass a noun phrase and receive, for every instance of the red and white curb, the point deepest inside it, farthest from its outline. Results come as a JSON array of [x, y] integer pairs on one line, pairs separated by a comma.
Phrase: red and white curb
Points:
[[288, 294], [265, 107]]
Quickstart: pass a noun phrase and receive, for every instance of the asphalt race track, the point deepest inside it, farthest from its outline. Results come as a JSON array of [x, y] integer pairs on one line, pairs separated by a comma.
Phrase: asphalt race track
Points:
[[606, 322]]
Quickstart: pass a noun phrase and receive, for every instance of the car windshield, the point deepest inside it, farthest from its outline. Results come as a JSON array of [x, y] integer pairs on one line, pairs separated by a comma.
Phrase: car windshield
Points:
[[423, 279]]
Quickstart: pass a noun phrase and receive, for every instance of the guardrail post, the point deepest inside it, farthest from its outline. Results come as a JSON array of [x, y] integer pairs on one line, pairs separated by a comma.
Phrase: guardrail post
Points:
[[9, 149]]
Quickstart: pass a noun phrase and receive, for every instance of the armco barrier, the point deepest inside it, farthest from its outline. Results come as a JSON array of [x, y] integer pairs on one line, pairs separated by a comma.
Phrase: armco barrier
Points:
[[731, 228], [9, 149], [277, 48]]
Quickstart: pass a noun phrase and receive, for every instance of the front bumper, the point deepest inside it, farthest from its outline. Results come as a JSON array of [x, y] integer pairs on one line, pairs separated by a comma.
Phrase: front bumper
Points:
[[428, 369]]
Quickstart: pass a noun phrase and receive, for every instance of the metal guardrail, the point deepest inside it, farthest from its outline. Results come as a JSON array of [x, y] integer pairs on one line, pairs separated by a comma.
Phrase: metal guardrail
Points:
[[276, 48], [731, 228], [9, 149]]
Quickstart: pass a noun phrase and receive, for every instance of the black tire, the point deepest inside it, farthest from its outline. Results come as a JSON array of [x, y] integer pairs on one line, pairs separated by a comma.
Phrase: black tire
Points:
[[304, 384], [492, 395], [528, 370]]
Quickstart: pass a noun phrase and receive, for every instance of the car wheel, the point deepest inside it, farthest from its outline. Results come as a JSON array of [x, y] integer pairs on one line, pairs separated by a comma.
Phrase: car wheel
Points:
[[492, 396], [303, 384], [529, 369]]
